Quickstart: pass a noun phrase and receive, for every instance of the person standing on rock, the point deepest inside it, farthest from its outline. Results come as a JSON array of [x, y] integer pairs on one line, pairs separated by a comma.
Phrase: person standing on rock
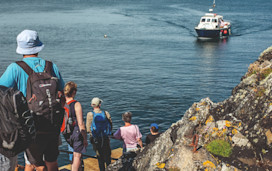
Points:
[[99, 126], [154, 133], [129, 133], [78, 139], [43, 152]]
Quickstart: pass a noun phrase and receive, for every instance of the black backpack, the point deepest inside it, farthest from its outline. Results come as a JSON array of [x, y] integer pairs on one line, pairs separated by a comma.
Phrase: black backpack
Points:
[[43, 98], [69, 121], [17, 128]]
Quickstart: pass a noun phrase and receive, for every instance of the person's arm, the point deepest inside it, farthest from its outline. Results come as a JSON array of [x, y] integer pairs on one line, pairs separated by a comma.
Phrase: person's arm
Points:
[[140, 142], [89, 121], [80, 122], [117, 135], [139, 136], [8, 79], [58, 75]]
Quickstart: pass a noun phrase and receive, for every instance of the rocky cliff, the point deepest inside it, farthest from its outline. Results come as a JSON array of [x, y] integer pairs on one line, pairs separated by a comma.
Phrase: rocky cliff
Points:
[[235, 134]]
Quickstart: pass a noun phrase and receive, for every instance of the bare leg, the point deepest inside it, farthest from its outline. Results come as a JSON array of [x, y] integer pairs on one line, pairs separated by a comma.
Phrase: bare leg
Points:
[[29, 167], [52, 166], [40, 168], [76, 161]]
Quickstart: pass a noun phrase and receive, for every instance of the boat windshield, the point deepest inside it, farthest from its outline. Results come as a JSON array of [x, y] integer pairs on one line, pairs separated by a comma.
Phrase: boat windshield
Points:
[[203, 20], [214, 20]]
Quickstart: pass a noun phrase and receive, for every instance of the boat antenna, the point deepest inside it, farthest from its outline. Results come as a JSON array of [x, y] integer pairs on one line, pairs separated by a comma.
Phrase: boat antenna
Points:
[[213, 3]]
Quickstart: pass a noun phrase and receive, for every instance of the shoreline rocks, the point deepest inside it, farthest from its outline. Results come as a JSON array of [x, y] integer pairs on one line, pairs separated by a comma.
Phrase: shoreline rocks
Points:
[[244, 121]]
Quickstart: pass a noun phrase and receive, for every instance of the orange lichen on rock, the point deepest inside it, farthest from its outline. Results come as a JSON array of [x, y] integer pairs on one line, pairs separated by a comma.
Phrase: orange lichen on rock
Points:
[[210, 119], [208, 164], [228, 123], [193, 118]]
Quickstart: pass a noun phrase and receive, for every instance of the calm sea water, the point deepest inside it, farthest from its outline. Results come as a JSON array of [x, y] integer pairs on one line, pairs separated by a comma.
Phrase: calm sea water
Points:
[[151, 62]]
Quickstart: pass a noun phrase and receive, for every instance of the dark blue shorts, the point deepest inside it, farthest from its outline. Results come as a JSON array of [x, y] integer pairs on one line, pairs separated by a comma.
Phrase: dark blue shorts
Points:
[[45, 147], [77, 141]]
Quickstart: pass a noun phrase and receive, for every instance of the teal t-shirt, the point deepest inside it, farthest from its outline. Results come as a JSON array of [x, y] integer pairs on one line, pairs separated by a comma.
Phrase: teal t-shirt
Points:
[[16, 77]]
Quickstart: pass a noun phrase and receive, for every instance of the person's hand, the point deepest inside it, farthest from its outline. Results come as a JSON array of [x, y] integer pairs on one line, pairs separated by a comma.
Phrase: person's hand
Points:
[[85, 142]]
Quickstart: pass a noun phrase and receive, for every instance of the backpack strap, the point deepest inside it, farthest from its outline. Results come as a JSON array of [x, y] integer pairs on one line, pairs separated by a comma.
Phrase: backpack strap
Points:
[[28, 70], [25, 67], [72, 112], [48, 67]]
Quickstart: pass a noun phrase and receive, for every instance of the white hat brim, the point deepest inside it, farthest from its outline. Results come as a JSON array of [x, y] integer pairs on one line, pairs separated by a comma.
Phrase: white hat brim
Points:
[[29, 51]]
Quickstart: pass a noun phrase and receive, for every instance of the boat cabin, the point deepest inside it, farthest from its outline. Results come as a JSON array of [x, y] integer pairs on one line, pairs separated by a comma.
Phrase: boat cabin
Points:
[[211, 21]]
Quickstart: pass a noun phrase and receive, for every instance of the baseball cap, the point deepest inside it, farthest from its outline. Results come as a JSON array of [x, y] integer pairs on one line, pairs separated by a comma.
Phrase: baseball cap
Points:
[[155, 125], [96, 101]]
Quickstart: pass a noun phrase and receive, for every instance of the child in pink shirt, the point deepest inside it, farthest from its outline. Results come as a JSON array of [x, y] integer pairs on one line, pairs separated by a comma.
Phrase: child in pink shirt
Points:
[[129, 133]]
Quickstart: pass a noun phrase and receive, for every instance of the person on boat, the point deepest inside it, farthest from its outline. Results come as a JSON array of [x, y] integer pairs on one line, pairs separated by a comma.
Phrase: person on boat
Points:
[[222, 23], [43, 152], [99, 126], [154, 133], [78, 138], [129, 134]]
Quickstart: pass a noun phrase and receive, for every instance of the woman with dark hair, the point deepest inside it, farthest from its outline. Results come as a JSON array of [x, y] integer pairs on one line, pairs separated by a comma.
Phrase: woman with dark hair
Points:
[[129, 133]]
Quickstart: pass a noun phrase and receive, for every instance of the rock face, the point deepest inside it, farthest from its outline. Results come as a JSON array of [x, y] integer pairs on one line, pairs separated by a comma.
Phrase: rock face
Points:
[[241, 125]]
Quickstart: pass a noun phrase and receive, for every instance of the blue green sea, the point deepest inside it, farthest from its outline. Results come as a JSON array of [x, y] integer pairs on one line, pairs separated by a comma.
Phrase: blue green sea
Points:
[[150, 63]]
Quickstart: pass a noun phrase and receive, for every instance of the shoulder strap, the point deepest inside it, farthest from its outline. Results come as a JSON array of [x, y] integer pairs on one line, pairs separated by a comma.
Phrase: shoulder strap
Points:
[[28, 70], [25, 67], [72, 111], [48, 67], [71, 102]]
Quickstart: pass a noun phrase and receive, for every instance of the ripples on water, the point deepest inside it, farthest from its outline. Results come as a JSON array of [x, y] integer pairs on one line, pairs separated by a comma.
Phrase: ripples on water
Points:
[[151, 63]]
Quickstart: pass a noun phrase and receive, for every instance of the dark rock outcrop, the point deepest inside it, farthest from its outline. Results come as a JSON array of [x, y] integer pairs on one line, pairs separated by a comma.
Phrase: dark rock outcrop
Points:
[[244, 121]]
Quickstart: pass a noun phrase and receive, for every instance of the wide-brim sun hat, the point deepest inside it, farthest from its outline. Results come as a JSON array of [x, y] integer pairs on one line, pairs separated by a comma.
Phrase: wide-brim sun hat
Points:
[[28, 43]]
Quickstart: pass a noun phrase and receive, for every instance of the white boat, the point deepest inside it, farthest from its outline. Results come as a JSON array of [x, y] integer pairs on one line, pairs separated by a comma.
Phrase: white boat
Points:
[[212, 25]]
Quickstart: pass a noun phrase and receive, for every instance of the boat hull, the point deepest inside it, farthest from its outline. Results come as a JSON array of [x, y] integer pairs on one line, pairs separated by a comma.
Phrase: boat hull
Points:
[[213, 33]]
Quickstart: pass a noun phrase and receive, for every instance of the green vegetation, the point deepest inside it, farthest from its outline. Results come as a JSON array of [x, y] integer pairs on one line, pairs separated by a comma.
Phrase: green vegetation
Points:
[[262, 74], [220, 147], [265, 73], [260, 92]]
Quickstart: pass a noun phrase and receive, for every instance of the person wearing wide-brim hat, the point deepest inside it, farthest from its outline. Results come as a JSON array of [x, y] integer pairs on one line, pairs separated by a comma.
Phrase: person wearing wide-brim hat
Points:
[[43, 152]]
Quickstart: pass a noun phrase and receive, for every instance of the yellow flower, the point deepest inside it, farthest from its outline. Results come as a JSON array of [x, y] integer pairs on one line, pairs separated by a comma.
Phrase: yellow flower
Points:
[[228, 124], [197, 109], [193, 118], [209, 164], [160, 165]]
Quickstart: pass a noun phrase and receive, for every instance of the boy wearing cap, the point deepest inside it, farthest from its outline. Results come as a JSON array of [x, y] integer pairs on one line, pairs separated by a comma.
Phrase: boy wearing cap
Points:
[[154, 133], [99, 126], [45, 145]]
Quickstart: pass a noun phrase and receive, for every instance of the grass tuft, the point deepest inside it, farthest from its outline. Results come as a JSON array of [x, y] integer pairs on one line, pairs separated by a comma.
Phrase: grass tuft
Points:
[[220, 147]]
